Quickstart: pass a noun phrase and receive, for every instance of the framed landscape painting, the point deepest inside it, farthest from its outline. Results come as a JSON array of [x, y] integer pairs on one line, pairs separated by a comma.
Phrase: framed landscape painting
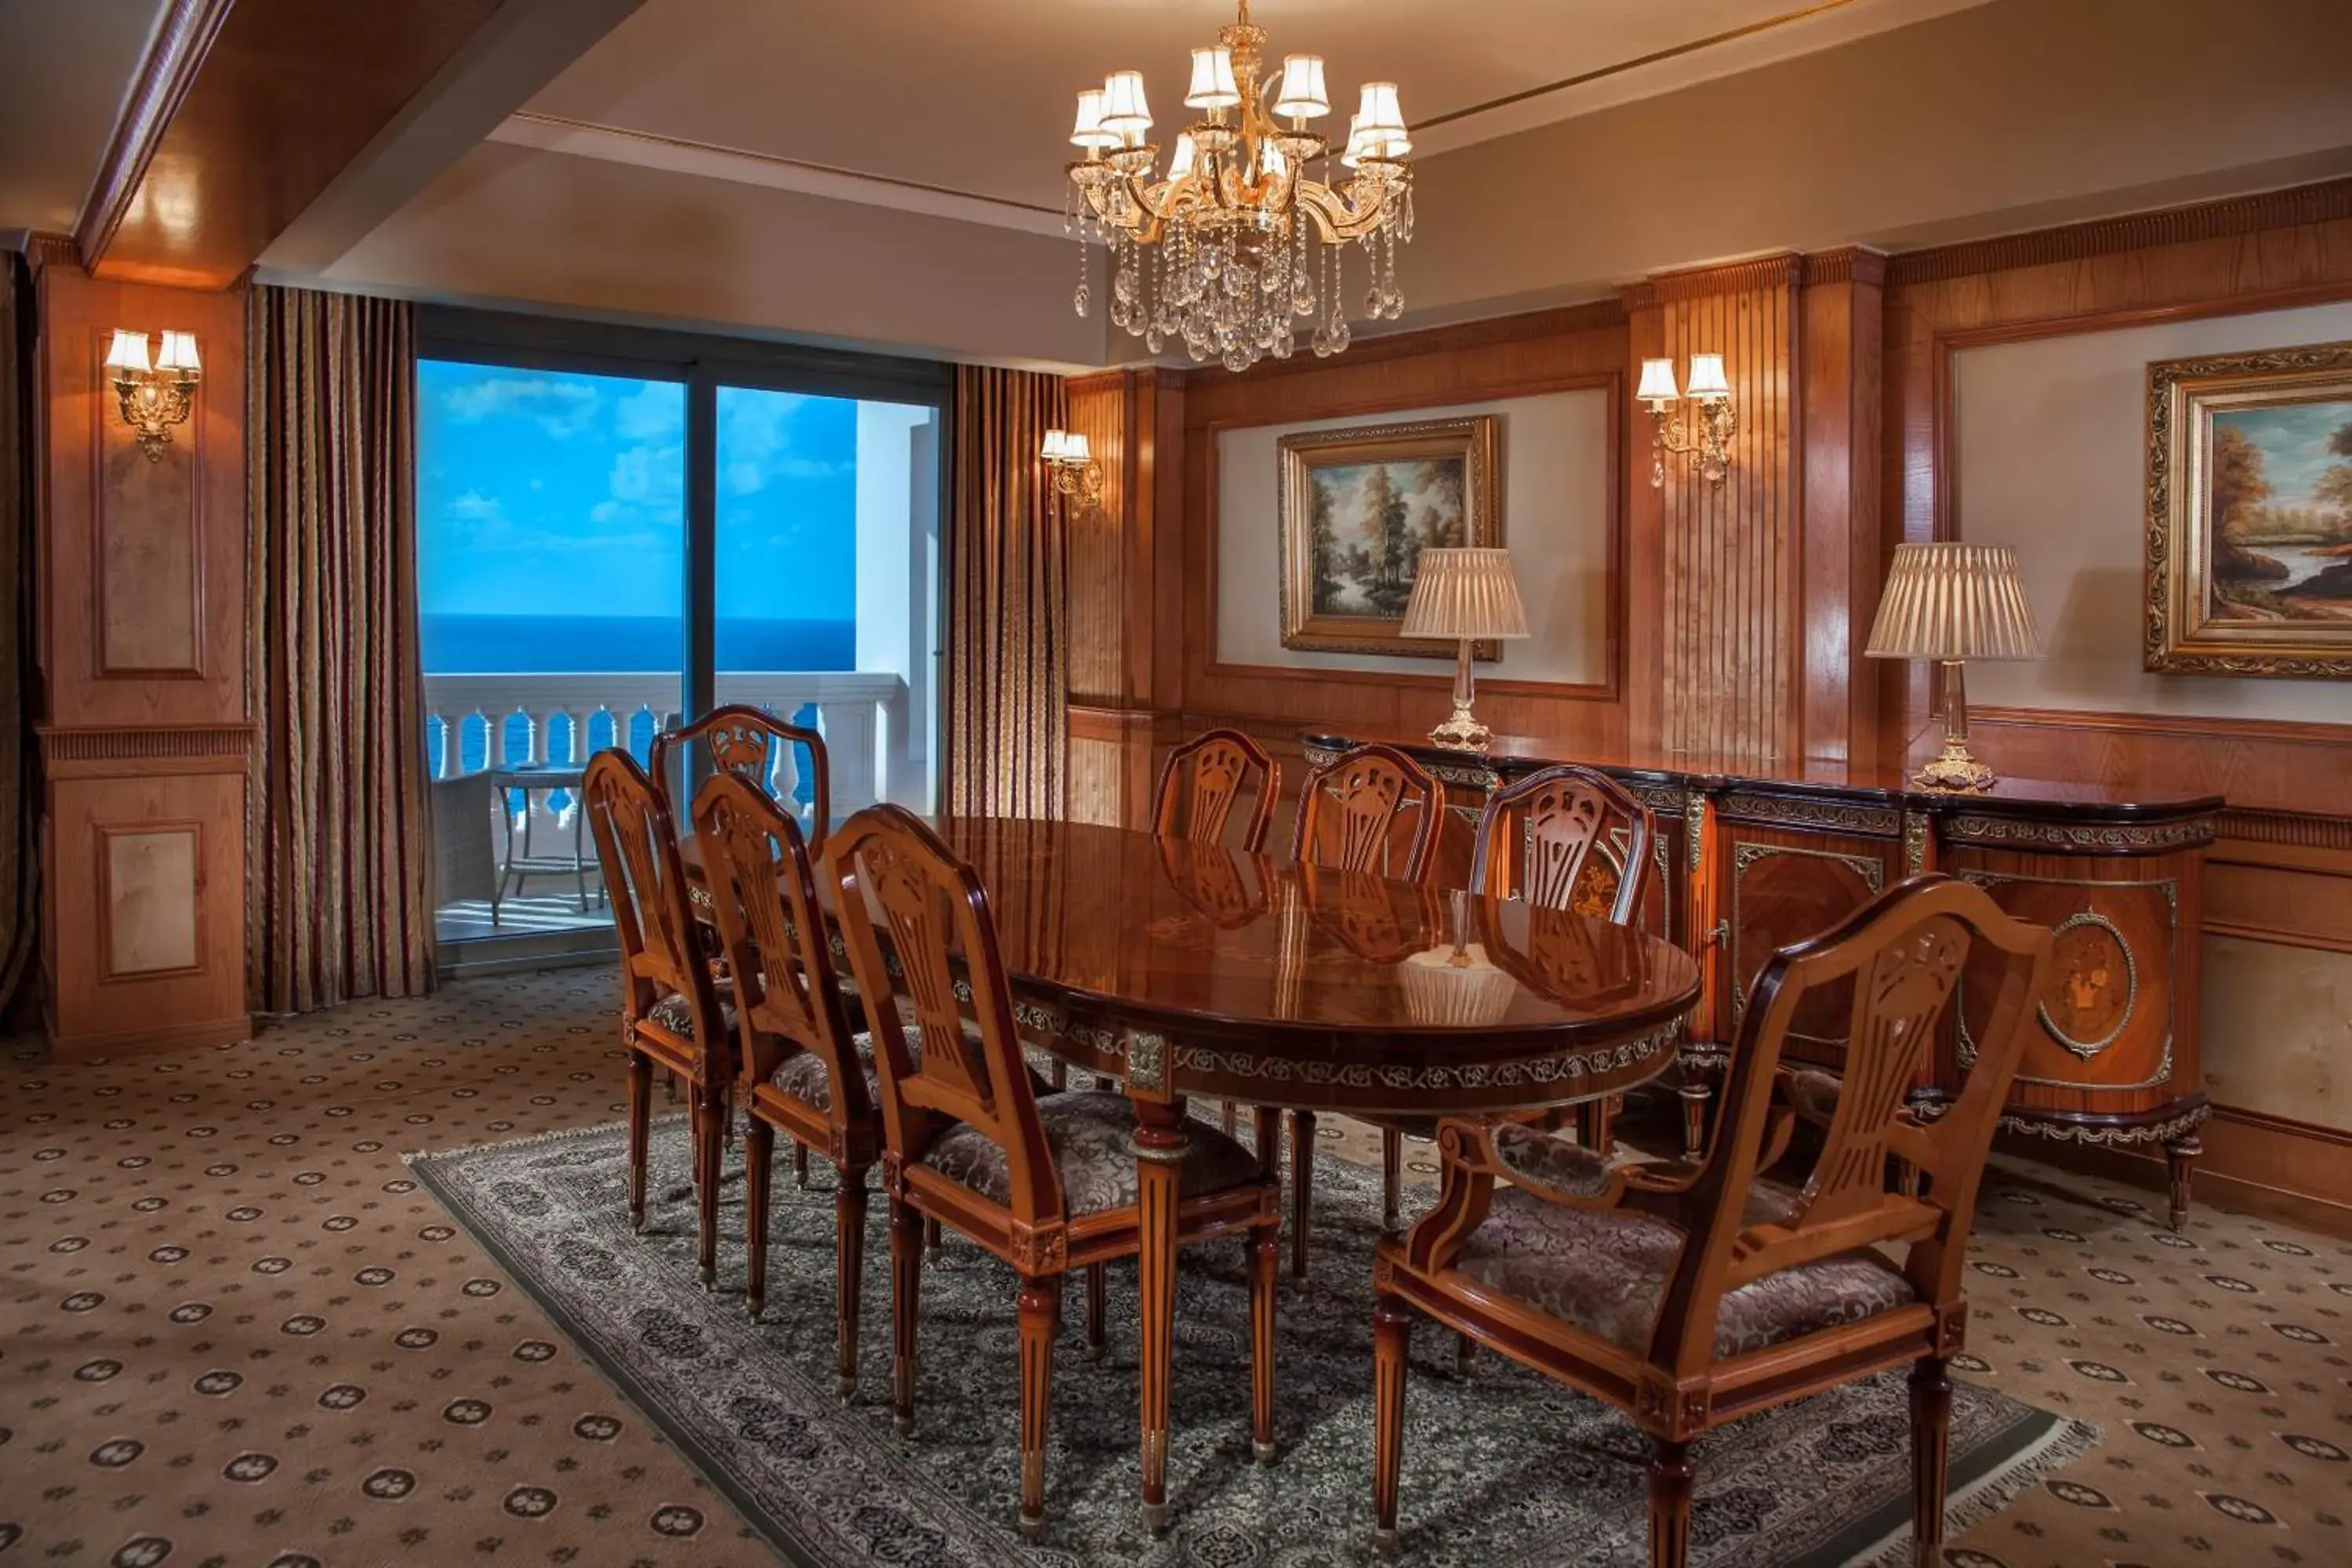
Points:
[[2250, 513], [1356, 508]]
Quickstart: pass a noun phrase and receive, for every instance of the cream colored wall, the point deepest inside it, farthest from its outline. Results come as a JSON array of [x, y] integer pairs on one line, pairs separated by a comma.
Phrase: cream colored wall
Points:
[[1555, 517], [2276, 1038], [519, 225], [2049, 439]]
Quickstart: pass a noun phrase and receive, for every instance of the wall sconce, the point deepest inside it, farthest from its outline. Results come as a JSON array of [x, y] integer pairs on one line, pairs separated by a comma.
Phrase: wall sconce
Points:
[[1716, 424], [154, 397], [1071, 466]]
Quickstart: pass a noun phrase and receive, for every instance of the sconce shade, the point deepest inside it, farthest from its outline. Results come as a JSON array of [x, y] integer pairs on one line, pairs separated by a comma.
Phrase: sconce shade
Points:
[[1464, 594], [1089, 132], [1706, 379], [1053, 448], [1124, 108], [1303, 92], [179, 353], [1074, 449], [1213, 80], [128, 352], [1658, 382], [1951, 601]]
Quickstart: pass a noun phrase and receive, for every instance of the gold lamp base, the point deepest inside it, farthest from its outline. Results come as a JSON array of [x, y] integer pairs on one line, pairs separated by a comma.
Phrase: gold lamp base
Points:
[[1956, 770], [1462, 732]]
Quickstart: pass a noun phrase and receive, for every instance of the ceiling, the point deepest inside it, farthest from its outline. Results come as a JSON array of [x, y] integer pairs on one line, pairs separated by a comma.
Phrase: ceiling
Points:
[[65, 69], [975, 98]]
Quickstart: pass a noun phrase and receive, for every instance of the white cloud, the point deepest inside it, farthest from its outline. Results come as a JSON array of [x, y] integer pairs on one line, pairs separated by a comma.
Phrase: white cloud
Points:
[[755, 442], [562, 406], [655, 413]]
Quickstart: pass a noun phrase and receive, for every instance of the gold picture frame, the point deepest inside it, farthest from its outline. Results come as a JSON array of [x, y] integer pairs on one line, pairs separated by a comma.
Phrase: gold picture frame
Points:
[[1346, 573], [2249, 520]]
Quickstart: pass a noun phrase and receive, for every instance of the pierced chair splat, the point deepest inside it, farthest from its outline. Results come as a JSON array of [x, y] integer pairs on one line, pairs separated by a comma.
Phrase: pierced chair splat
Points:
[[752, 744]]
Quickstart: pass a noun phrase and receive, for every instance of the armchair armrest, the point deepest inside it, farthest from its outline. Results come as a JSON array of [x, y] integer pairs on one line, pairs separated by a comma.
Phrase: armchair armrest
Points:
[[1549, 1167]]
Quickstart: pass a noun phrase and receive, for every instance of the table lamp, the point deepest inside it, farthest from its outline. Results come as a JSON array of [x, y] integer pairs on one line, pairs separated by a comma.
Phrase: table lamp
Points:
[[1953, 602], [1465, 594]]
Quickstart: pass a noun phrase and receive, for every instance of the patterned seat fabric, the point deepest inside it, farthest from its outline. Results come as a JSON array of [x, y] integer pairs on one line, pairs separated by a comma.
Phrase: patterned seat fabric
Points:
[[803, 1075], [675, 1014], [1606, 1274], [1088, 1135]]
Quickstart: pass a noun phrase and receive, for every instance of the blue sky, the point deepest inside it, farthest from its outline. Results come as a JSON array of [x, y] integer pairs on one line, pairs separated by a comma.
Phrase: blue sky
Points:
[[2294, 442], [544, 493]]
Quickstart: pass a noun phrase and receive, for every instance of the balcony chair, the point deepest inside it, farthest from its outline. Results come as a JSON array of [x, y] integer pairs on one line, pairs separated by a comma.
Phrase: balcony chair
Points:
[[749, 742], [1689, 1294], [674, 1016], [805, 1072], [1047, 1184], [1351, 813]]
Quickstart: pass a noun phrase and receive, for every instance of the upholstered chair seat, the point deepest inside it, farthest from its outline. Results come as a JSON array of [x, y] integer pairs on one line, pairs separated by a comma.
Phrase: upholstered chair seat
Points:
[[674, 1013], [1089, 1133], [1606, 1274]]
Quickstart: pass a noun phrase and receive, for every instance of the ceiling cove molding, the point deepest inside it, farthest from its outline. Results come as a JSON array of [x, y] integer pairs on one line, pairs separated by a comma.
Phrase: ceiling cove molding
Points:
[[184, 35], [2326, 202], [674, 154], [1848, 264], [1782, 270]]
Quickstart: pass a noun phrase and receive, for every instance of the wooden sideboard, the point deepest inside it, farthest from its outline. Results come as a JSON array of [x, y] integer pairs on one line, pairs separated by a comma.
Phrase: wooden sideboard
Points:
[[1750, 860]]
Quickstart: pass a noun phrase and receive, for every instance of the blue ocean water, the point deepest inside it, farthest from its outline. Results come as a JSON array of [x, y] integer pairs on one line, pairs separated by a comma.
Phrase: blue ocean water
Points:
[[508, 645]]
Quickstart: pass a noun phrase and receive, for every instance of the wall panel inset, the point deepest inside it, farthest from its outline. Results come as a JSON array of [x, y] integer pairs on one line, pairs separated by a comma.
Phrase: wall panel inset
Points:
[[151, 898]]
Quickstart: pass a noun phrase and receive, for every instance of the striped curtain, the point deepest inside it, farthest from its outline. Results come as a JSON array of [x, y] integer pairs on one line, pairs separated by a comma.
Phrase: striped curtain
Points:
[[338, 902], [1008, 675], [19, 784]]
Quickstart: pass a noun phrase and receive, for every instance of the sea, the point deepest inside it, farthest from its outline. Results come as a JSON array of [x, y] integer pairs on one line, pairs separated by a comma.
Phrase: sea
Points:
[[504, 645]]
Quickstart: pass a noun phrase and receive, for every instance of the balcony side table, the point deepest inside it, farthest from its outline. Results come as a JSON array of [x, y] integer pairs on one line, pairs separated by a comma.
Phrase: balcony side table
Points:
[[540, 778]]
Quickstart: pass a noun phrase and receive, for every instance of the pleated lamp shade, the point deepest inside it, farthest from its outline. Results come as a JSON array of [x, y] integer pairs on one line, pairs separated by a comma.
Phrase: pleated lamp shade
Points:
[[1948, 601], [1464, 594]]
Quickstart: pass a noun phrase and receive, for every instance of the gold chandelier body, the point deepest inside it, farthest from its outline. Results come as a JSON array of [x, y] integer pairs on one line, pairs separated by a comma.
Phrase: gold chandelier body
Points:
[[1235, 243]]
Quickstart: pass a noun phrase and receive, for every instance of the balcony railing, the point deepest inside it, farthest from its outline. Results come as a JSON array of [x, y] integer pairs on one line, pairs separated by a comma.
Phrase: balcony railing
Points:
[[862, 715]]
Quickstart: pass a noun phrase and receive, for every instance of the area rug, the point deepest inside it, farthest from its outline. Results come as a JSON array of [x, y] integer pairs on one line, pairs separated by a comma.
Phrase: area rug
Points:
[[1501, 1468]]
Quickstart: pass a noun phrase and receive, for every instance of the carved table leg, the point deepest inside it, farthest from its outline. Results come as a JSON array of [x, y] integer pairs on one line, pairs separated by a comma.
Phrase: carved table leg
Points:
[[1302, 1187], [1159, 1145], [1267, 1125], [1392, 1179], [2181, 1163]]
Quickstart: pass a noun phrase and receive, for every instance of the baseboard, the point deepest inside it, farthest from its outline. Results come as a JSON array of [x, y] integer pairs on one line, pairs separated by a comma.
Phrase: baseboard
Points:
[[2239, 1155], [202, 1036]]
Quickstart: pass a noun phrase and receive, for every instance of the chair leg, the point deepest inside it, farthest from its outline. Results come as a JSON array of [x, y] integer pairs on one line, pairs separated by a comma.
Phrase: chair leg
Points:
[[1931, 1421], [1041, 1320], [1392, 1338], [930, 1235], [759, 1160], [641, 1107], [1232, 1118], [1670, 1504], [713, 1101], [1264, 1275], [1097, 1294], [1465, 1355], [800, 1165], [1060, 1077], [849, 1272], [1302, 1187], [906, 1291], [1266, 1125], [1696, 1089], [1392, 1179]]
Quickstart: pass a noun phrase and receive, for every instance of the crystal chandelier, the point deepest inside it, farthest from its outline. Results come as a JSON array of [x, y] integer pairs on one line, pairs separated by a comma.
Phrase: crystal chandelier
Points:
[[1235, 244]]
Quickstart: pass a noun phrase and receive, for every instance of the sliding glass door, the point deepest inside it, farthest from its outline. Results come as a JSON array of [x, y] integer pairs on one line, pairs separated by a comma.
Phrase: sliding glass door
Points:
[[620, 530]]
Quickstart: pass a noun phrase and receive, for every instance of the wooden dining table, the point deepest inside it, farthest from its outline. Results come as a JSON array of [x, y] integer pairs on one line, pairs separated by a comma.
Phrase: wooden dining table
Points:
[[1185, 970]]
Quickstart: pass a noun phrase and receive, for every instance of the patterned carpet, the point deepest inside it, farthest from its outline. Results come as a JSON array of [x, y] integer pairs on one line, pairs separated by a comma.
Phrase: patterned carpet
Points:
[[235, 1328], [1504, 1470]]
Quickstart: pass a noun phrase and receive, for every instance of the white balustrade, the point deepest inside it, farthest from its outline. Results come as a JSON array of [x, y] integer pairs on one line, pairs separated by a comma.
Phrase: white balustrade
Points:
[[861, 714]]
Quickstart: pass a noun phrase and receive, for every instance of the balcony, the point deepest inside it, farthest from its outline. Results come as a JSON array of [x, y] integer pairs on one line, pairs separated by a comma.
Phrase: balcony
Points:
[[872, 749]]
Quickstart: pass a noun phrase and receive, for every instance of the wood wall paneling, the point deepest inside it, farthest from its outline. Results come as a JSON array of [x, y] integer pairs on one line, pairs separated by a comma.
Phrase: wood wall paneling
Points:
[[1843, 308]]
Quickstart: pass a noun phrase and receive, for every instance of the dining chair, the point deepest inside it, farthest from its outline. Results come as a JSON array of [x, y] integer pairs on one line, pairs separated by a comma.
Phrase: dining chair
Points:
[[1046, 1184], [1205, 777], [673, 1015], [804, 1071], [750, 743], [1691, 1293], [1569, 837], [1351, 812]]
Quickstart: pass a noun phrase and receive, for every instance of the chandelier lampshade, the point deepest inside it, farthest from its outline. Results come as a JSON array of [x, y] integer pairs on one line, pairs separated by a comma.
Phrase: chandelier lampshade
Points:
[[1235, 247]]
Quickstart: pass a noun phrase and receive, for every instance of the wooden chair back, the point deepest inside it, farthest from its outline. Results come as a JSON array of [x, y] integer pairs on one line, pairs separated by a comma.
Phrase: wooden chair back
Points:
[[636, 844], [916, 921], [1353, 809], [1548, 839], [1204, 778], [750, 744], [774, 934], [1904, 955]]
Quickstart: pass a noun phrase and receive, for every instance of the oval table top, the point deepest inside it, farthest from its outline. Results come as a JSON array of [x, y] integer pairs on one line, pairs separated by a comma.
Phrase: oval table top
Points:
[[1196, 969]]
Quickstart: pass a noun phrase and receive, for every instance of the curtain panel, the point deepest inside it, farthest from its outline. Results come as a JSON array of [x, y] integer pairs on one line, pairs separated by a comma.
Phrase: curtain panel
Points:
[[19, 859], [339, 905], [1008, 678]]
